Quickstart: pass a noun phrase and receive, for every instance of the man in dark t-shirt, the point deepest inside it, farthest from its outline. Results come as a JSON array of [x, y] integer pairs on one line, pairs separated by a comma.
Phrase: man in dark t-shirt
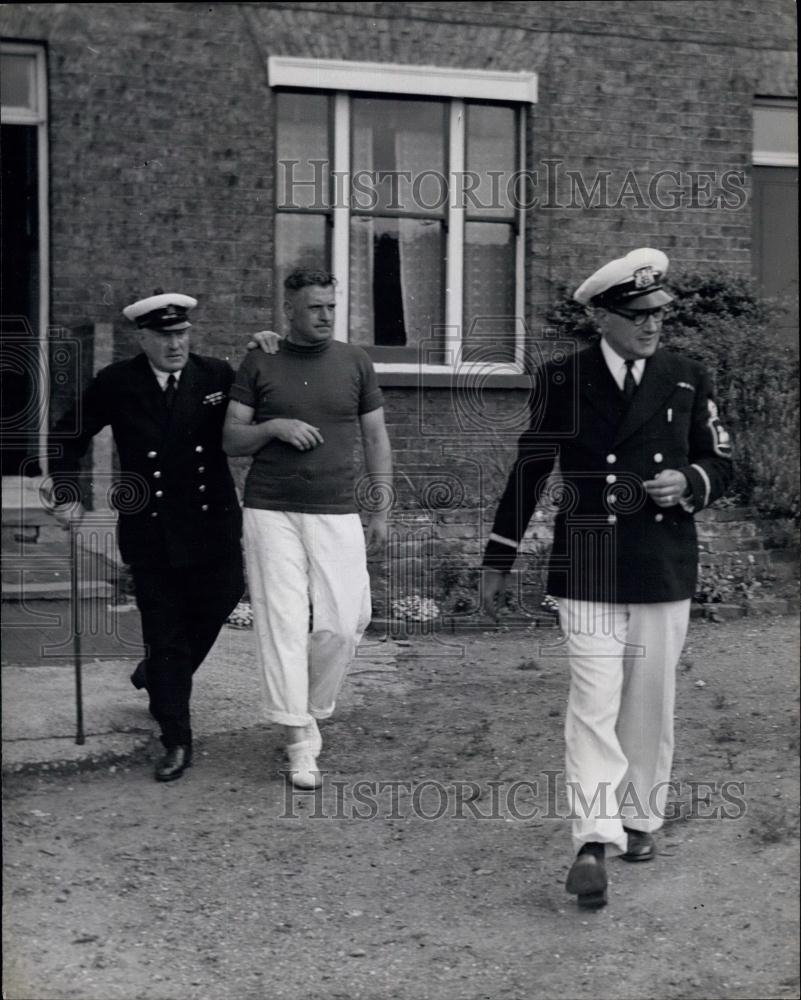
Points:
[[298, 413]]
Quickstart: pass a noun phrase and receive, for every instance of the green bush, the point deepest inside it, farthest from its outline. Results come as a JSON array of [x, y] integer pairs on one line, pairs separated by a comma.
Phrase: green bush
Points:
[[721, 321]]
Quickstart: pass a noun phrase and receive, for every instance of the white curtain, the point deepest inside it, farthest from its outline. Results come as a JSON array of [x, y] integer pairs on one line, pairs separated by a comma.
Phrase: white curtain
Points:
[[362, 319], [419, 245]]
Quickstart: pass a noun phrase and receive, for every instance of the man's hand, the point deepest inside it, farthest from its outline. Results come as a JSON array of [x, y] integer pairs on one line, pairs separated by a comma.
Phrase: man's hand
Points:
[[376, 536], [492, 583], [667, 488], [266, 340], [70, 515], [298, 433]]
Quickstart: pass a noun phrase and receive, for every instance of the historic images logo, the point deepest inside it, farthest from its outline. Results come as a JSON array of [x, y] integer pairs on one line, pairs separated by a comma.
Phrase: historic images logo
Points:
[[551, 185], [547, 797]]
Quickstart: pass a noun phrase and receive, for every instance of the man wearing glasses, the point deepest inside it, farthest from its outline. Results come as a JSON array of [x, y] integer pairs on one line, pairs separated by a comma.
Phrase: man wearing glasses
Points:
[[641, 449]]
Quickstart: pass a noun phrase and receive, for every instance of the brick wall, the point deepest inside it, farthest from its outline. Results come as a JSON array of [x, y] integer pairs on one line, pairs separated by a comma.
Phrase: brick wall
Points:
[[161, 174], [161, 131], [452, 451]]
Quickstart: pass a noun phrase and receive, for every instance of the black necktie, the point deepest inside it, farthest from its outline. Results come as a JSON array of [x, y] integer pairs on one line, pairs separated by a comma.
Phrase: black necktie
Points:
[[169, 392], [629, 383]]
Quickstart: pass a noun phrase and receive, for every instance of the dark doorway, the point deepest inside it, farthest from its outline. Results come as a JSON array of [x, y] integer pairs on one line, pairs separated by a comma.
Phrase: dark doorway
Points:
[[19, 318]]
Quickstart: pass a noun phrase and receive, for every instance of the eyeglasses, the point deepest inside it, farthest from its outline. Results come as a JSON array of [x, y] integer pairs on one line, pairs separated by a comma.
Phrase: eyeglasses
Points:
[[640, 318]]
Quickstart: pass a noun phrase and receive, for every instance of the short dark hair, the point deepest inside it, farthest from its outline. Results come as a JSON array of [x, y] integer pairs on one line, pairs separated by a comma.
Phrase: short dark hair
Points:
[[302, 277]]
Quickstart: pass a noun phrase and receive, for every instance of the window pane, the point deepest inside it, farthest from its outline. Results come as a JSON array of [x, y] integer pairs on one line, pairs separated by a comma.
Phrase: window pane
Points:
[[391, 137], [300, 241], [302, 137], [776, 129], [491, 146], [396, 282], [489, 292], [17, 74]]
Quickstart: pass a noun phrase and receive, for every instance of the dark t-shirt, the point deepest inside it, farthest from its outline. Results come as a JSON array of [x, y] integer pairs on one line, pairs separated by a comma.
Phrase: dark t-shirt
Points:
[[329, 385]]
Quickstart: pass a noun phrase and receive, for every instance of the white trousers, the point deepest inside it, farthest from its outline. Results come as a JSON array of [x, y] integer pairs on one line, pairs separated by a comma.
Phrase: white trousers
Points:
[[619, 723], [293, 561]]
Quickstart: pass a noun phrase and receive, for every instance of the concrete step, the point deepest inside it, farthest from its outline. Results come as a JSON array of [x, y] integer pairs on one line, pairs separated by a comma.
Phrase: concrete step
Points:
[[40, 552], [36, 557], [53, 590], [27, 534], [25, 517]]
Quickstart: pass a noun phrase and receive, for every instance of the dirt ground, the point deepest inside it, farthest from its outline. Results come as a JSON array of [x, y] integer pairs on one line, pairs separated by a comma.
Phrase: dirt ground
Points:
[[446, 884]]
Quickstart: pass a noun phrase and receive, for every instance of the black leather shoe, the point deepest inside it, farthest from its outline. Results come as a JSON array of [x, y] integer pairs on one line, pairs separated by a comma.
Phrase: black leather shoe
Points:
[[175, 762], [139, 676], [587, 877], [641, 846]]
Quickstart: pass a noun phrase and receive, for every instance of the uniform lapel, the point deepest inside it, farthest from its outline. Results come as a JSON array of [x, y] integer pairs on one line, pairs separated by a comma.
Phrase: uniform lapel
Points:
[[179, 422], [149, 396], [658, 382], [599, 387]]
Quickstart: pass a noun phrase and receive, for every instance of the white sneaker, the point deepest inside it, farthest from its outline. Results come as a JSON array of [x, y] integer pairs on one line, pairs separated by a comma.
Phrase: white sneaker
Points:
[[312, 734], [302, 769]]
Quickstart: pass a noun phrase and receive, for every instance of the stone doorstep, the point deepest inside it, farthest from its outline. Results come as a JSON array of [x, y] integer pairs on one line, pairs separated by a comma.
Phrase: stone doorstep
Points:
[[54, 590], [25, 517], [36, 558]]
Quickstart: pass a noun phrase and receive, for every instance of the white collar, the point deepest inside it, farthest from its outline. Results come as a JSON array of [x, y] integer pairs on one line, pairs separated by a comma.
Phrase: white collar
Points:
[[163, 376], [617, 365]]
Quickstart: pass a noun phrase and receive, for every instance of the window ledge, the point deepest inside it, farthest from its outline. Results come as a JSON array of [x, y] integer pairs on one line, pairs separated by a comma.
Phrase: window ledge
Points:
[[452, 380], [428, 81]]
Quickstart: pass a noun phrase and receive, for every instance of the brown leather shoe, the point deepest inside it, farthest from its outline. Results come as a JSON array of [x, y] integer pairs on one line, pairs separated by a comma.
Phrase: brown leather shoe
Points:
[[174, 763], [587, 877], [641, 846]]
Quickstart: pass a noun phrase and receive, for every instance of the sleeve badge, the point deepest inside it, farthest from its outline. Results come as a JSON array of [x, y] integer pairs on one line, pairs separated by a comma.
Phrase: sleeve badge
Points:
[[721, 439]]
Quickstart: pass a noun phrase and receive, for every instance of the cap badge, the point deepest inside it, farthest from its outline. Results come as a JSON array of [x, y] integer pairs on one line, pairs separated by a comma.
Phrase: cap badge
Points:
[[644, 277]]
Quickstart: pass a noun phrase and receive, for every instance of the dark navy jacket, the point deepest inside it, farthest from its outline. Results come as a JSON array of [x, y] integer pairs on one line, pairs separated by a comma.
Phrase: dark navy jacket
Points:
[[611, 541], [176, 499]]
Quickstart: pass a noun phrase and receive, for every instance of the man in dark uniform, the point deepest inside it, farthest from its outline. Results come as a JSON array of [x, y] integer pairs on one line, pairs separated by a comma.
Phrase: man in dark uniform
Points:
[[640, 449], [179, 528]]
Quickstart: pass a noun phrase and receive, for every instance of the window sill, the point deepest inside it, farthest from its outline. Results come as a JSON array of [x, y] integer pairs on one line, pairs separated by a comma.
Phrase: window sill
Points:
[[452, 380]]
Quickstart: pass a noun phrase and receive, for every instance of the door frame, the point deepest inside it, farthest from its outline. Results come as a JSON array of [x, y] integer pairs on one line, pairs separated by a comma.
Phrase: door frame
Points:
[[38, 117]]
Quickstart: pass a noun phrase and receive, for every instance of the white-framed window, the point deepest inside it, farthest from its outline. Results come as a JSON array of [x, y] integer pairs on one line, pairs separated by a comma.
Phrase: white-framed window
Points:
[[774, 209], [405, 182], [775, 132], [22, 84]]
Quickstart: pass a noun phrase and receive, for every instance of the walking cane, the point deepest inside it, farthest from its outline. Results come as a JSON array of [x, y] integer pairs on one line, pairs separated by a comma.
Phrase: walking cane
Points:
[[80, 738]]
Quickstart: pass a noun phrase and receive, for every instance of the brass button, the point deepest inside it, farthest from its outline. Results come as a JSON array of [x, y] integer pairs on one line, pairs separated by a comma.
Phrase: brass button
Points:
[[201, 468], [205, 506], [202, 488], [159, 493], [612, 519], [611, 459], [157, 474], [155, 513], [611, 478], [612, 498], [658, 456], [152, 454], [659, 517], [199, 449]]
